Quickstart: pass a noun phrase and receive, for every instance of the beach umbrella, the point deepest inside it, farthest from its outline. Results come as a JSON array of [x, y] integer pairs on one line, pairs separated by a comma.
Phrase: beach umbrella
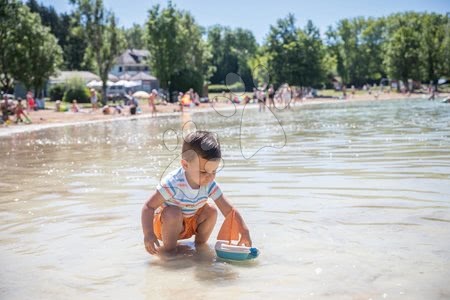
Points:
[[120, 83], [94, 83], [132, 83], [141, 94]]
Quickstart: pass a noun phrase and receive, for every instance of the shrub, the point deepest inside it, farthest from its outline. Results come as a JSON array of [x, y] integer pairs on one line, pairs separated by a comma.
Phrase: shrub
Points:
[[186, 79], [57, 92], [76, 90]]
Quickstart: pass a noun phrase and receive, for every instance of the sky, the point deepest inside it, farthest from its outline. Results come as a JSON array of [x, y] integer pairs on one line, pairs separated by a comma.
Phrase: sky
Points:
[[257, 16]]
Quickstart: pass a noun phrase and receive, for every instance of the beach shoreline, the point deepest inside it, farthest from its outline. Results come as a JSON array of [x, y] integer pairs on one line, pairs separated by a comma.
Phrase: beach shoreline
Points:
[[45, 119]]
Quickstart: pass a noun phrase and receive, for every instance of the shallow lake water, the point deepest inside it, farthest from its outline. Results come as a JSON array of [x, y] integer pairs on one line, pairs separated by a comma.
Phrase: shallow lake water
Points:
[[345, 201]]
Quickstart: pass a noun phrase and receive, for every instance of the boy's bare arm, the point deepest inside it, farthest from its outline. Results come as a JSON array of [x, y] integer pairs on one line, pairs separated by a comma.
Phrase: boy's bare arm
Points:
[[148, 212], [225, 208]]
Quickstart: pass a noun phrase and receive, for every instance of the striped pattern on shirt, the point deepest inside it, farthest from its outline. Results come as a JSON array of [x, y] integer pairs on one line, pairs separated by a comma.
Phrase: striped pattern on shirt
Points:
[[176, 191]]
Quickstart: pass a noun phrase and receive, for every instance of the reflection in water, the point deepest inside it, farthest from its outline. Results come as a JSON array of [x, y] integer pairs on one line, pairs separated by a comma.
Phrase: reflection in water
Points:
[[353, 205], [200, 260]]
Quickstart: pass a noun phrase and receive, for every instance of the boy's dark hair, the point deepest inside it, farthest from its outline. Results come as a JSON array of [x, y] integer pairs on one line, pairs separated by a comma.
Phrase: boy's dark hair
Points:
[[202, 143]]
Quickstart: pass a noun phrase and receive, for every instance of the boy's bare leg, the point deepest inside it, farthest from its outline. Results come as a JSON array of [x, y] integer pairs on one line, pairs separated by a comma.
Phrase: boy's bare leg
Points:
[[172, 226], [206, 221]]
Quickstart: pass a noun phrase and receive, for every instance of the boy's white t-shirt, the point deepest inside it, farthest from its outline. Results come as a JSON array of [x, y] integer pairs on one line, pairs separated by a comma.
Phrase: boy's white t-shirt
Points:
[[177, 192]]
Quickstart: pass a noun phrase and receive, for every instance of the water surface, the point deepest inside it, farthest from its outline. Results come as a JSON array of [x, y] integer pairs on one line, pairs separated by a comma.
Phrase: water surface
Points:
[[345, 201]]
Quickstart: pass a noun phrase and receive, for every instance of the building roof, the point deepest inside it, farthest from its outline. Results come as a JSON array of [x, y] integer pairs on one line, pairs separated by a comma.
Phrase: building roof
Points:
[[64, 76], [133, 57], [143, 76], [125, 76]]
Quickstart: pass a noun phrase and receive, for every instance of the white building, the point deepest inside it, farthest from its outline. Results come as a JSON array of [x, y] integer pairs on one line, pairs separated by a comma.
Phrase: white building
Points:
[[132, 64]]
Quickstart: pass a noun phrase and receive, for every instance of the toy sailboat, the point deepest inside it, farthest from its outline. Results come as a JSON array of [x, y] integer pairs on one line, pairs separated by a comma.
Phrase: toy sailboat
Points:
[[227, 239]]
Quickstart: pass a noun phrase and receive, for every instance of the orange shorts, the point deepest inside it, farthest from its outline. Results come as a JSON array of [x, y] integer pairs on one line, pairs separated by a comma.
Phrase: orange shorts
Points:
[[189, 224]]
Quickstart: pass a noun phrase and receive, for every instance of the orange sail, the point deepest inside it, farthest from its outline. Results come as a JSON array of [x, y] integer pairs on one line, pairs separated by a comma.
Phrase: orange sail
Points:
[[230, 228]]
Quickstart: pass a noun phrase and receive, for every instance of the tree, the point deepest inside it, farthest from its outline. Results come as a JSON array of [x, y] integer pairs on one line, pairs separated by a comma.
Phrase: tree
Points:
[[135, 37], [294, 55], [433, 50], [402, 49], [281, 48], [63, 27], [31, 54], [104, 40], [40, 54], [372, 42], [175, 43], [313, 55], [231, 52], [76, 44], [9, 10]]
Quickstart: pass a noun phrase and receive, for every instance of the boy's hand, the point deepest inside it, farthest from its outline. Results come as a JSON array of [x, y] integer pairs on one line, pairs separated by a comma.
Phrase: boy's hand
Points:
[[151, 244], [245, 239]]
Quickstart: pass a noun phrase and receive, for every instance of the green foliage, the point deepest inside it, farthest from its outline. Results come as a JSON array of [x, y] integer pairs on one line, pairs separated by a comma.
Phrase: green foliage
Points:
[[135, 37], [8, 37], [356, 45], [57, 92], [105, 41], [62, 27], [434, 54], [231, 51], [294, 55], [183, 80], [76, 90], [175, 43], [29, 52], [402, 48]]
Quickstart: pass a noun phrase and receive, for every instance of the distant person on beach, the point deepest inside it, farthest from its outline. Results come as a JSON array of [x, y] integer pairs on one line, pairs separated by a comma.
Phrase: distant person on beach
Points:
[[94, 99], [152, 100], [132, 103], [286, 95], [271, 96], [178, 209], [74, 108], [112, 110], [31, 104], [20, 113], [180, 100], [432, 92], [260, 96], [5, 109]]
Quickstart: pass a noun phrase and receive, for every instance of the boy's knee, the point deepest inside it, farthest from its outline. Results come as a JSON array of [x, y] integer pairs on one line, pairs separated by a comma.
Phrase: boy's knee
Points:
[[211, 211], [171, 214]]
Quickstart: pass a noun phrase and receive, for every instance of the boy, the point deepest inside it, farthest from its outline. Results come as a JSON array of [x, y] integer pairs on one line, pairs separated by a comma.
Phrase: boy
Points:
[[179, 209]]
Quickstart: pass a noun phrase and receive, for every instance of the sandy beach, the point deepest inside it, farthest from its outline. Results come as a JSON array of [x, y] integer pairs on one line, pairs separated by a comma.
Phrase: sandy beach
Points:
[[49, 118]]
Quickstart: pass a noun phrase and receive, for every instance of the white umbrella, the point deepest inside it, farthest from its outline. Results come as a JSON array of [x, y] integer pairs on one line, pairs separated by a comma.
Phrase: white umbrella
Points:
[[98, 83], [131, 83], [121, 83], [141, 94], [94, 83]]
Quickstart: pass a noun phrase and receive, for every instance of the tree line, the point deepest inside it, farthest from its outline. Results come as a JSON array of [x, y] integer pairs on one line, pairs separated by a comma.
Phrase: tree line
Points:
[[36, 41]]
